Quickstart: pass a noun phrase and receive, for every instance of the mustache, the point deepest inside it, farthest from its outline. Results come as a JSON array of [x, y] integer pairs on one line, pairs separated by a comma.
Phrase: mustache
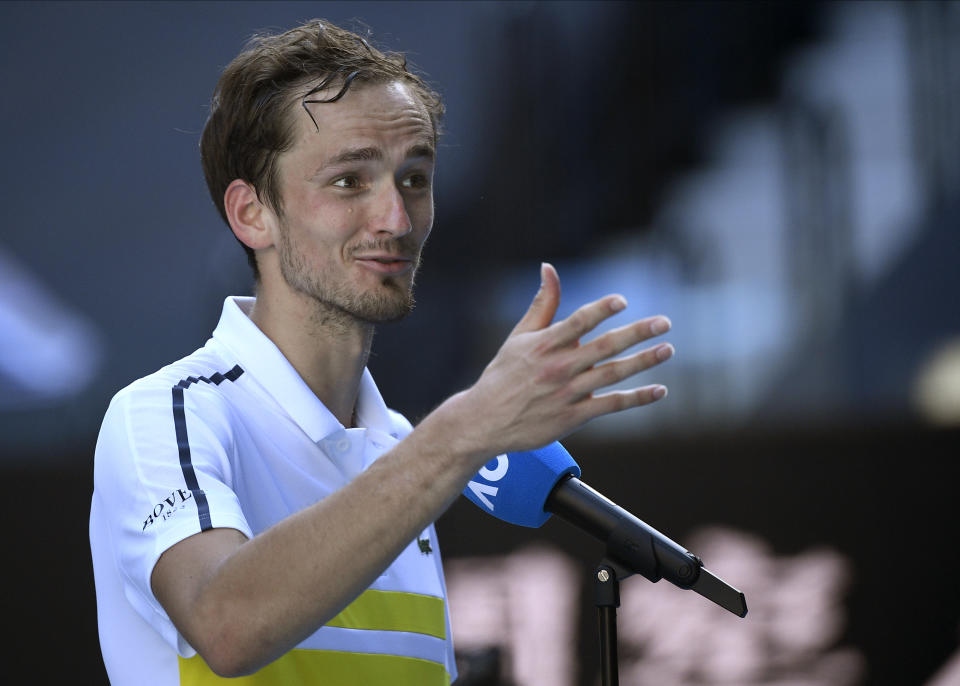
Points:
[[401, 247]]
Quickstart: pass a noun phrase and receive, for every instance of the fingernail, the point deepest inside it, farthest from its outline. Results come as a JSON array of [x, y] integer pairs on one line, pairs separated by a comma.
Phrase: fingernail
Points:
[[618, 303], [659, 392], [664, 352], [659, 325], [543, 273]]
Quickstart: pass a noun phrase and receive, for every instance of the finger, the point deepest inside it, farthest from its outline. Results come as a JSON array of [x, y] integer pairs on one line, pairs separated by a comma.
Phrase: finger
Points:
[[586, 318], [542, 310], [617, 401], [617, 370], [616, 341]]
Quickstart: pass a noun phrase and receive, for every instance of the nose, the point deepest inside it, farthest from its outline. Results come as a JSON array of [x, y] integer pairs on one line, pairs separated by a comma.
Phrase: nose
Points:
[[391, 217]]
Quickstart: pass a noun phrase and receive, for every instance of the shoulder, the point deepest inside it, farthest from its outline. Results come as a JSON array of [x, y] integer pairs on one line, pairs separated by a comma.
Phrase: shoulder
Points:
[[203, 369], [196, 385]]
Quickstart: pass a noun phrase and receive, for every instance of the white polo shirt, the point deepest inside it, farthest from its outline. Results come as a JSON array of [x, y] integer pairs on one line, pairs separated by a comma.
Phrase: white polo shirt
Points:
[[231, 436]]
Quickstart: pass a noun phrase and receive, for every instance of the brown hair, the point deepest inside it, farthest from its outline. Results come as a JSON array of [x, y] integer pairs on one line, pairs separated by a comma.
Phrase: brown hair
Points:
[[250, 125]]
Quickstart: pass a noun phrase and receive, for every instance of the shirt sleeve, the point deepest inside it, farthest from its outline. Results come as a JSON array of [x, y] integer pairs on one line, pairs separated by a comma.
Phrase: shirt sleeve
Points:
[[163, 472]]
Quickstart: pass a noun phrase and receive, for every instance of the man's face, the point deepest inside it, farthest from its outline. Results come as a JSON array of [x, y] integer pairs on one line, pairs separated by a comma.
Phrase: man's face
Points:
[[357, 201]]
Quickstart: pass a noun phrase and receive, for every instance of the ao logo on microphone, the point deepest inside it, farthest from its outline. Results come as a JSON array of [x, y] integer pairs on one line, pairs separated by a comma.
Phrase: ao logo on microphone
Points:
[[519, 497], [482, 490]]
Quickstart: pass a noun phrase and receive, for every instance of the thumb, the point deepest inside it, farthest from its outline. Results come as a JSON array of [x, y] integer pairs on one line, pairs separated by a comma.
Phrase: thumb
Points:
[[544, 306]]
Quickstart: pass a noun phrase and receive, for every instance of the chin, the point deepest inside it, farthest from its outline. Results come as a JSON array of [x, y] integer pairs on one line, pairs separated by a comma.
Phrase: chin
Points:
[[385, 312], [391, 303]]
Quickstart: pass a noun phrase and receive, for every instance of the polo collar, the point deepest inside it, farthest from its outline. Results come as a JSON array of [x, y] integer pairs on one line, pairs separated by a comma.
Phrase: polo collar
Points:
[[262, 359]]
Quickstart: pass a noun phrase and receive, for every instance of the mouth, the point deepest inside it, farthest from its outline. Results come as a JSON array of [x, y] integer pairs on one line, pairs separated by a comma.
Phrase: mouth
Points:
[[385, 264]]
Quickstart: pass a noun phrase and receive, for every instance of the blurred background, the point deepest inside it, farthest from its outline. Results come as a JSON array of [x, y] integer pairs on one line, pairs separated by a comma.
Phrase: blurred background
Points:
[[781, 179]]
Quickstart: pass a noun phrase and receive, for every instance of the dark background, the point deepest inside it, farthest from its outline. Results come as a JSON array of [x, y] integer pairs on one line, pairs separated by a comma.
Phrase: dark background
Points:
[[570, 127]]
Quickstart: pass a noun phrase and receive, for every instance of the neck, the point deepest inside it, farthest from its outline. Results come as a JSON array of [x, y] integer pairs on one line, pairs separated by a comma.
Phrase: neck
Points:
[[328, 347]]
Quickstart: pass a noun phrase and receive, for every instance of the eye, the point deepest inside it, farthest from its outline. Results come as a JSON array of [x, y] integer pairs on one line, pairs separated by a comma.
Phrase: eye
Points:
[[416, 181], [349, 181]]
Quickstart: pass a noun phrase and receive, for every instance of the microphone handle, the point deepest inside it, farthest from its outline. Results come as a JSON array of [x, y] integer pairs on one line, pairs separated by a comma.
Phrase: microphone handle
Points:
[[630, 541]]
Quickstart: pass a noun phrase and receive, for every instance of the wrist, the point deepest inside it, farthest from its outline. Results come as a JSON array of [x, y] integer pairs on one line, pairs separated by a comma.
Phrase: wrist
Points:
[[456, 424]]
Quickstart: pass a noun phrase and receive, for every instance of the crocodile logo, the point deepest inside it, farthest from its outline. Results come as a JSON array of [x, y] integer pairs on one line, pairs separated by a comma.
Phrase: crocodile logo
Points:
[[424, 544]]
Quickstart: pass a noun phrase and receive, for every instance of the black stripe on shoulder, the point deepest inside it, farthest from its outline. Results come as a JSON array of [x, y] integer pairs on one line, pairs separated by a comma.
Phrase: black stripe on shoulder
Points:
[[183, 442], [216, 378]]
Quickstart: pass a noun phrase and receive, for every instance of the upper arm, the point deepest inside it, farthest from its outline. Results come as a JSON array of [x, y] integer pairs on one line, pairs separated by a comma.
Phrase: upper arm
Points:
[[182, 573], [152, 526]]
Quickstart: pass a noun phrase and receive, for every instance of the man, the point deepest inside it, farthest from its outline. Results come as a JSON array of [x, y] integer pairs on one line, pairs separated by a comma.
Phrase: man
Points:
[[257, 508]]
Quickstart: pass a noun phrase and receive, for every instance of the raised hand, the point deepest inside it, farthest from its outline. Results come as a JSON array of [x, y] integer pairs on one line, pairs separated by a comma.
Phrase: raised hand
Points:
[[541, 385]]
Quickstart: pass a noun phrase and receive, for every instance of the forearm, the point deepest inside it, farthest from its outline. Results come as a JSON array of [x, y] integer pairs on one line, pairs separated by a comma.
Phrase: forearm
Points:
[[279, 587]]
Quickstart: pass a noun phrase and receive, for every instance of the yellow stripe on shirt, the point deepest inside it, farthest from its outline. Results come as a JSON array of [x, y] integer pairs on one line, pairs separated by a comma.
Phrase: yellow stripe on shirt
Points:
[[301, 667], [372, 611], [394, 611]]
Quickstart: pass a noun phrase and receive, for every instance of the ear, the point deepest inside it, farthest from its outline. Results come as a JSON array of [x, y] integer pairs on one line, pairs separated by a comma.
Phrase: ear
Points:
[[249, 218]]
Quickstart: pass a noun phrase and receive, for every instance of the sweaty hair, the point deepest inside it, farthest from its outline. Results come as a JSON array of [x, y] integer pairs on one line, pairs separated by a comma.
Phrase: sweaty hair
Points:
[[272, 81]]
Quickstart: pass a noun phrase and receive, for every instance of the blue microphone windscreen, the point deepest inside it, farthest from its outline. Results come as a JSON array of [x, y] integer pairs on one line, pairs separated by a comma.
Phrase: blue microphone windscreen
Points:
[[515, 486]]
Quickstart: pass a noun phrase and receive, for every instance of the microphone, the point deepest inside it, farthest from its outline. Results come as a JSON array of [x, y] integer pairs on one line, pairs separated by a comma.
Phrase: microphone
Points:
[[526, 487], [514, 487]]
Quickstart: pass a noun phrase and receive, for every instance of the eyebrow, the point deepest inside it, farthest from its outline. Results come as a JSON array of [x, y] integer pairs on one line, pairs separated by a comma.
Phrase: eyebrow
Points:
[[369, 154]]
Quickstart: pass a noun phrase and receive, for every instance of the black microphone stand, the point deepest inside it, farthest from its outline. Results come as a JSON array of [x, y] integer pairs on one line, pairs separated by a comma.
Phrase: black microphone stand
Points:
[[606, 588]]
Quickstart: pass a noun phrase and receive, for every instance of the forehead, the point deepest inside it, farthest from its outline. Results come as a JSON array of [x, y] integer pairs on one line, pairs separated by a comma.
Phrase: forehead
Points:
[[378, 114]]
